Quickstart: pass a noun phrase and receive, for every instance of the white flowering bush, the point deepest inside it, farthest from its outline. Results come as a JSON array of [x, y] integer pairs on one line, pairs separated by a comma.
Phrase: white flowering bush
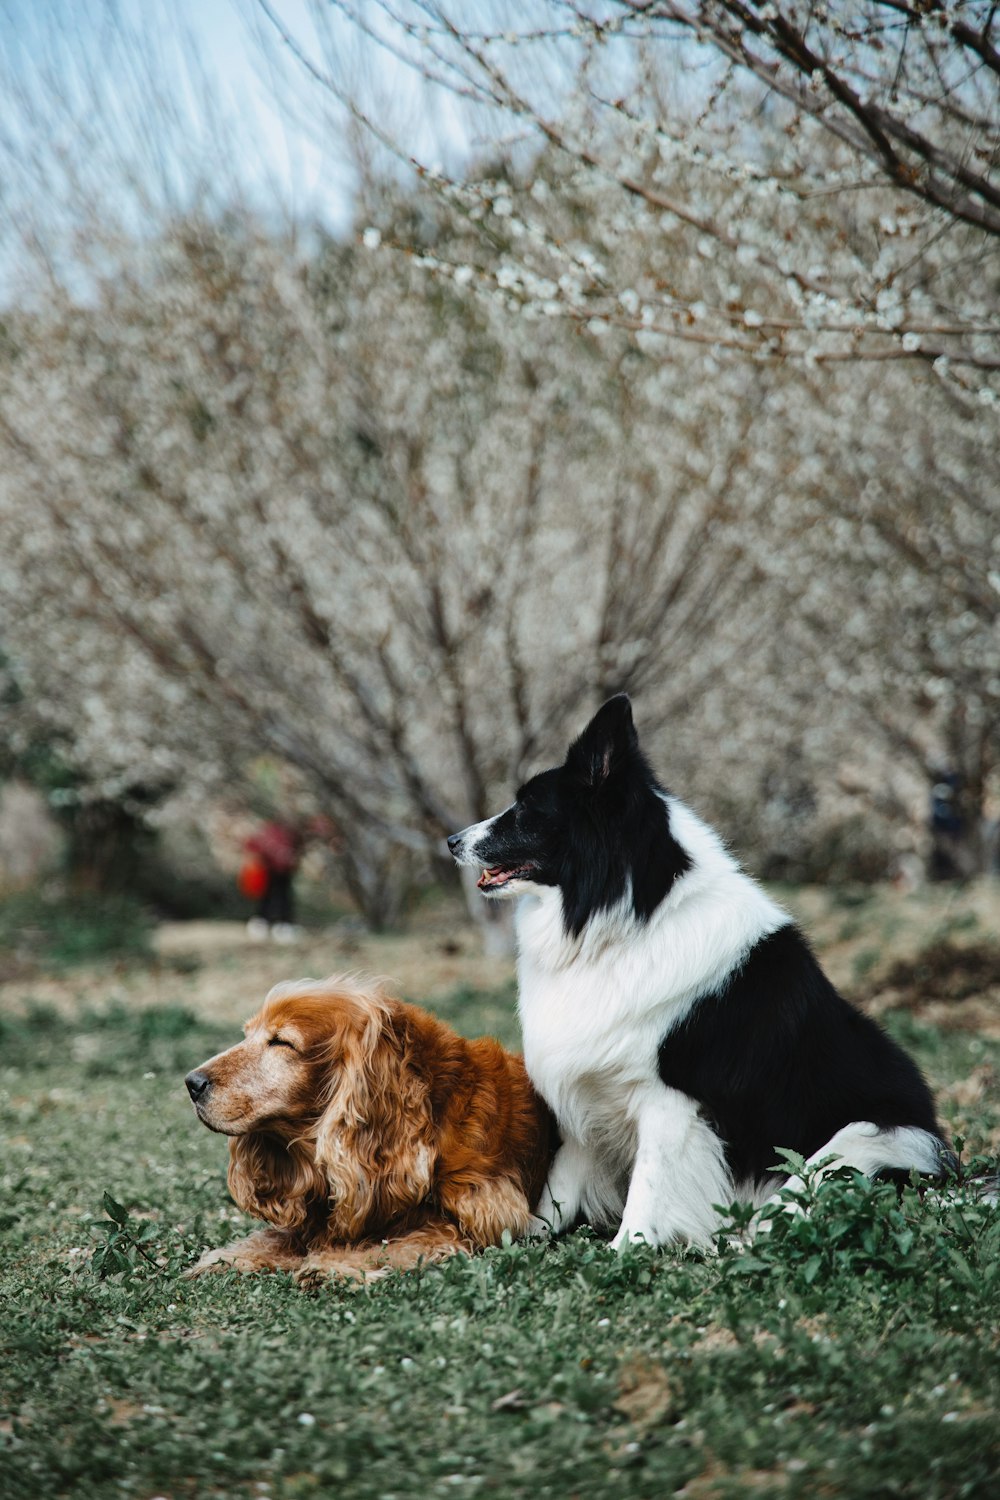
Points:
[[827, 173], [652, 402]]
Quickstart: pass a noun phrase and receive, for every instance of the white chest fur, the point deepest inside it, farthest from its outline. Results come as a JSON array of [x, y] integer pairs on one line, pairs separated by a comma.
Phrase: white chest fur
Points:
[[595, 1009]]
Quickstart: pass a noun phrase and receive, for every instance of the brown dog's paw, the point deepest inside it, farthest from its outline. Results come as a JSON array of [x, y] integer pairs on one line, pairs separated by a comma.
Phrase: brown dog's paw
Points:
[[206, 1264], [231, 1258], [225, 1258], [266, 1250], [317, 1272], [311, 1279]]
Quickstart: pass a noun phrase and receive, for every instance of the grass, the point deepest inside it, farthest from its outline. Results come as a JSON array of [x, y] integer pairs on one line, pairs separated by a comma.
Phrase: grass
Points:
[[63, 928], [854, 1352]]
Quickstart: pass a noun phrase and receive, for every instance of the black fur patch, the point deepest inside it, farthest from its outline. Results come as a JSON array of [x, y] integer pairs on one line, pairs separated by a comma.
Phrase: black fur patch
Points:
[[776, 1057], [620, 825]]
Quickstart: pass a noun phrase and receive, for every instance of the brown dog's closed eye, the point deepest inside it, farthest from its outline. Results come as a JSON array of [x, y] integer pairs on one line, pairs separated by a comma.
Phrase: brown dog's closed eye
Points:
[[368, 1134]]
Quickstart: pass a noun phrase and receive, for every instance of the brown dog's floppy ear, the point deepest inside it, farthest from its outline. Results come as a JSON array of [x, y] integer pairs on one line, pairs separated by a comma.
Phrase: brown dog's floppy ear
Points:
[[374, 1141], [272, 1179]]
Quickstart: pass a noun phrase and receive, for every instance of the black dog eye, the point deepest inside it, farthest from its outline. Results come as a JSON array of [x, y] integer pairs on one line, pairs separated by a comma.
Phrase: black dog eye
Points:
[[279, 1041]]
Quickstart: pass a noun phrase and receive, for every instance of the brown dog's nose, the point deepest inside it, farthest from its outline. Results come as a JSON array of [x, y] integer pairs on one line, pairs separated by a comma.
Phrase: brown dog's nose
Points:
[[196, 1084]]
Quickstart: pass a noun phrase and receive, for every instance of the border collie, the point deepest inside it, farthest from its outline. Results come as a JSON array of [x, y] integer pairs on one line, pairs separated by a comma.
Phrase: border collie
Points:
[[673, 1016]]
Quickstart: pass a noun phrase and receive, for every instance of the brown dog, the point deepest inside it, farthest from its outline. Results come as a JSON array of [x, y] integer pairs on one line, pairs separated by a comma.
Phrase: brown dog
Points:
[[369, 1135]]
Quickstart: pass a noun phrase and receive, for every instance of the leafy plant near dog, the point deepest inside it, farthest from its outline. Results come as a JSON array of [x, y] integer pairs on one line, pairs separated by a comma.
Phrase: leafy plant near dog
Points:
[[126, 1240], [845, 1225], [840, 1224], [139, 1249]]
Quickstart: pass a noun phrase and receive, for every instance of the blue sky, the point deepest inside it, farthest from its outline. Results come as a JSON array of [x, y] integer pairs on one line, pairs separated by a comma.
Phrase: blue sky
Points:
[[129, 140], [284, 129], [48, 38]]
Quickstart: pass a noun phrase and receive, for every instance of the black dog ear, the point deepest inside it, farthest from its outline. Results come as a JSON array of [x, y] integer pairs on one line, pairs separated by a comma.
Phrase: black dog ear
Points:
[[605, 745]]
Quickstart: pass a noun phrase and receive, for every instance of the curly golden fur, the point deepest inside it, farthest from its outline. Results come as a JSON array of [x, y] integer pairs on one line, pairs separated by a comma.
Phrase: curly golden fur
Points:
[[368, 1135]]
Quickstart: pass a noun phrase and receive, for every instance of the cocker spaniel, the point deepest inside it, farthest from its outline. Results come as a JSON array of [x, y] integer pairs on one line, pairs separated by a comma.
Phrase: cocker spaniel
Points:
[[369, 1135]]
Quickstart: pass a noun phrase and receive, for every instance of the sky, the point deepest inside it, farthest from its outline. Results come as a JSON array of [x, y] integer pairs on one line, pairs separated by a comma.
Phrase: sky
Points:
[[44, 41], [106, 104], [282, 128], [225, 28]]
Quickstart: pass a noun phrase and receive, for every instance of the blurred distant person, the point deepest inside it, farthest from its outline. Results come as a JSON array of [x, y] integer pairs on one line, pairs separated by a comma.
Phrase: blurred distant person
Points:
[[275, 852], [947, 827]]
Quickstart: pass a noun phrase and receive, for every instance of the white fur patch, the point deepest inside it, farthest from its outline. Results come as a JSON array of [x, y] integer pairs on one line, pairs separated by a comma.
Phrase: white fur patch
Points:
[[679, 1176], [865, 1147], [594, 1010]]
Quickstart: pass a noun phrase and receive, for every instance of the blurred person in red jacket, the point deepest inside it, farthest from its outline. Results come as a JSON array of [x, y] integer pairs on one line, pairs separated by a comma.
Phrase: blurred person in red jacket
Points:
[[274, 853]]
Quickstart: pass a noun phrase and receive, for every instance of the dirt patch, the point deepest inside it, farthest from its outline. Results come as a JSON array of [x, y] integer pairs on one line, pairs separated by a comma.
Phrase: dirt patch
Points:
[[213, 969], [644, 1397], [717, 1481], [860, 933], [946, 972], [945, 985]]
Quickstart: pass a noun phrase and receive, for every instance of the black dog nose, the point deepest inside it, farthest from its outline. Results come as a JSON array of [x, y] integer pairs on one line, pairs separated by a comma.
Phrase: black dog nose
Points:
[[453, 842], [197, 1083]]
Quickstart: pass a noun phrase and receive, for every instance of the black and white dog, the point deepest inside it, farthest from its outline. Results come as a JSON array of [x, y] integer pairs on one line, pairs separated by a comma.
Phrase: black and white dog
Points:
[[673, 1017]]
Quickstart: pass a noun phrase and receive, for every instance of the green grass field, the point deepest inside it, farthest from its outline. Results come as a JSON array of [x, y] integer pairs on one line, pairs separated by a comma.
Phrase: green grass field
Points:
[[853, 1352]]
